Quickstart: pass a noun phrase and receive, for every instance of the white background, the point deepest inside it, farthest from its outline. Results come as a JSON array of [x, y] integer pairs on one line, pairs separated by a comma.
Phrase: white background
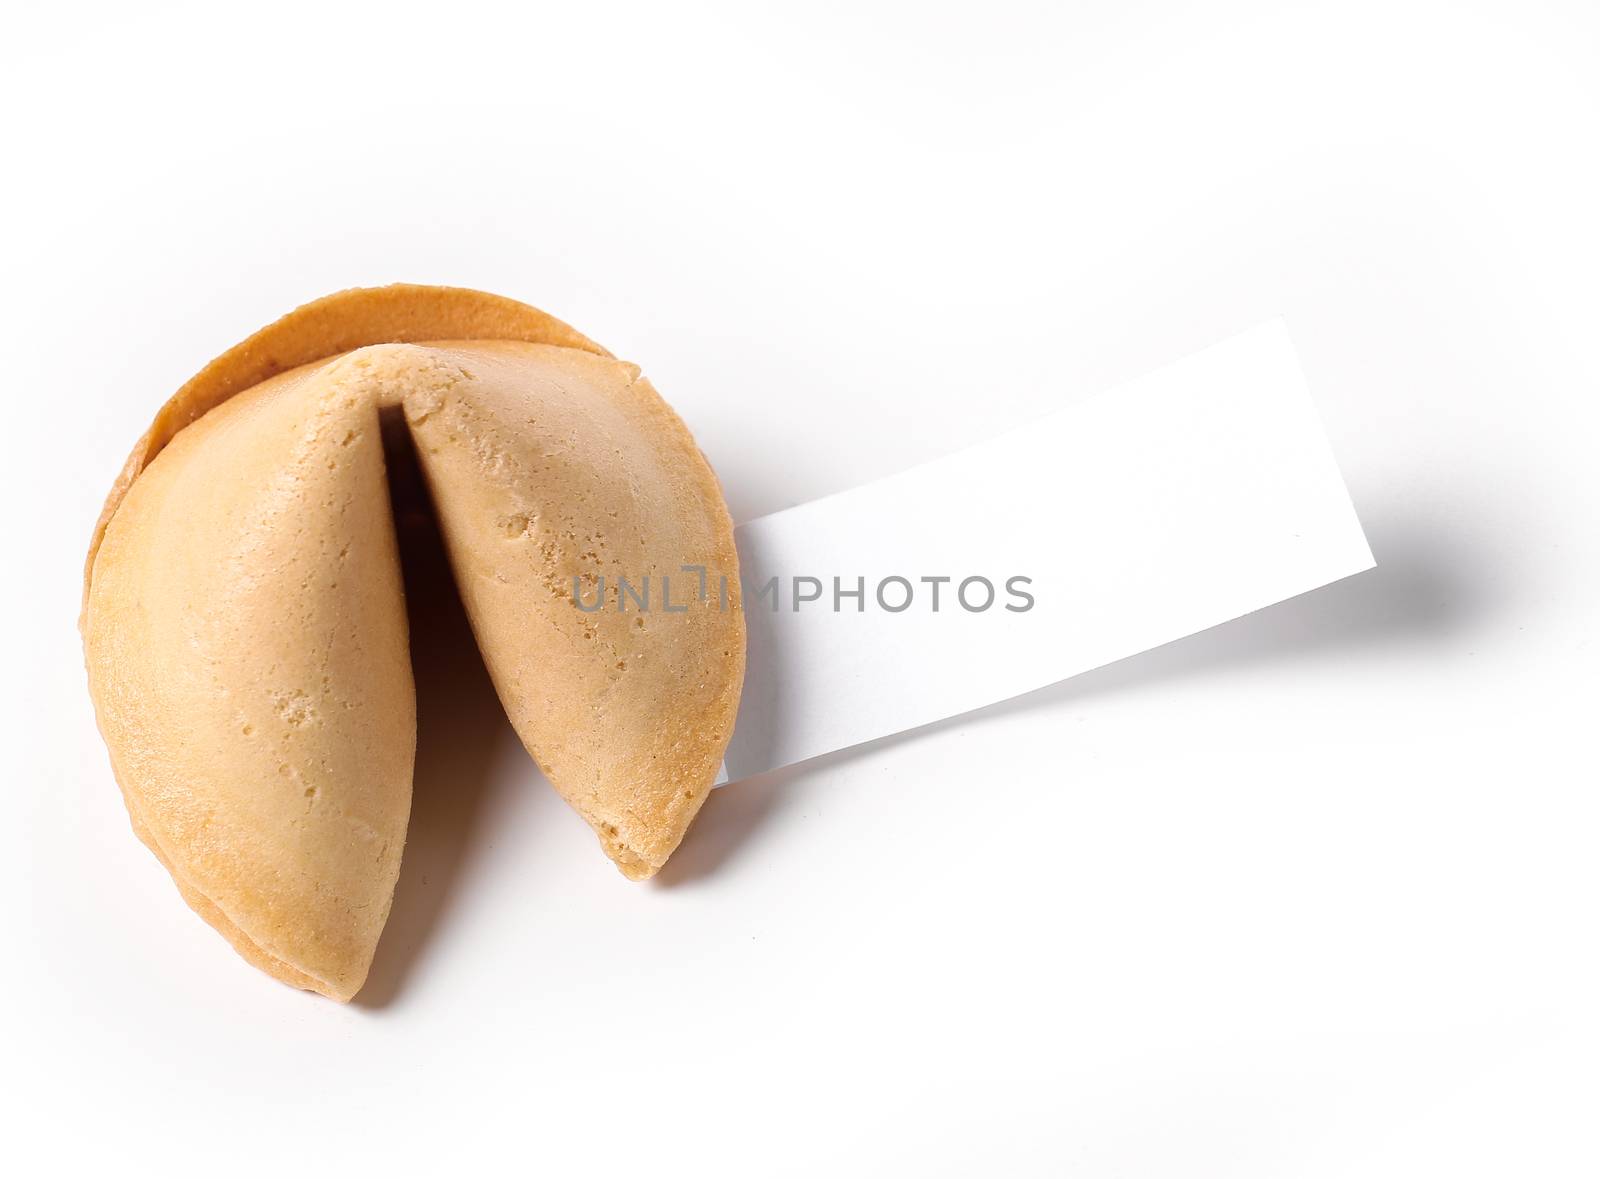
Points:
[[1312, 894]]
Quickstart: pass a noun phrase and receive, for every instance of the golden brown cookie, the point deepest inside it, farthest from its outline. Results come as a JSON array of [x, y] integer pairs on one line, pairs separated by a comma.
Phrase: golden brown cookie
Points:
[[244, 621]]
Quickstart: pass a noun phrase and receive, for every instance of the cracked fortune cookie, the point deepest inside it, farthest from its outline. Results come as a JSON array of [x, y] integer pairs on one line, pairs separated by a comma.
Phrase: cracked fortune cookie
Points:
[[244, 618]]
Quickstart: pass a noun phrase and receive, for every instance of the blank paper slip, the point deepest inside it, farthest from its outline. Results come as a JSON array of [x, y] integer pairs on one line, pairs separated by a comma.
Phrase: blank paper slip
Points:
[[1173, 503]]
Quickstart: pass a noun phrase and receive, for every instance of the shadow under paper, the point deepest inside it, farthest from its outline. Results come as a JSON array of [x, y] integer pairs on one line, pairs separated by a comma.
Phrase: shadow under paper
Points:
[[1424, 588]]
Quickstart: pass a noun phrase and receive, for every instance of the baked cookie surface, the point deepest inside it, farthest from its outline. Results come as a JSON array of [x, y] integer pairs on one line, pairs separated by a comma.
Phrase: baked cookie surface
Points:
[[245, 628]]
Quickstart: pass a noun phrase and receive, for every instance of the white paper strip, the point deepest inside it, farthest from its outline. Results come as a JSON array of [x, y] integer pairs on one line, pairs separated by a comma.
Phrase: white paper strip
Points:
[[1181, 500]]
